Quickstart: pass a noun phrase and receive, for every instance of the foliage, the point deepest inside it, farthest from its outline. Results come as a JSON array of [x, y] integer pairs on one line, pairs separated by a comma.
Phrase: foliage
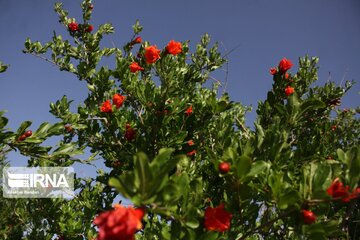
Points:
[[163, 145]]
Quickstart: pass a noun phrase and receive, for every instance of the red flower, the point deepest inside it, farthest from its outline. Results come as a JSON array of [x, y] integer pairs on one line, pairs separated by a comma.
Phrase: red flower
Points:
[[353, 195], [333, 127], [137, 40], [174, 48], [287, 76], [284, 65], [120, 223], [217, 219], [308, 216], [338, 190], [224, 167], [193, 152], [273, 71], [118, 100], [152, 54], [189, 111], [134, 67], [89, 28], [191, 142], [73, 26], [130, 133], [106, 107], [289, 90]]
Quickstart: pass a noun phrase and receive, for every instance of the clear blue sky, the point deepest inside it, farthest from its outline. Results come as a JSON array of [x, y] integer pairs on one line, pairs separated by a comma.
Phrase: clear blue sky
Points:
[[264, 31]]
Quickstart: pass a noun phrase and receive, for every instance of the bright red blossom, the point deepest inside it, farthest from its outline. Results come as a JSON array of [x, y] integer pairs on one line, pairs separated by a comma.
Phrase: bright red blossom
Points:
[[308, 216], [273, 71], [118, 100], [191, 153], [190, 142], [174, 48], [217, 219], [284, 65], [338, 190], [152, 54], [289, 90], [135, 67], [137, 40], [73, 26], [120, 223], [189, 111], [106, 107]]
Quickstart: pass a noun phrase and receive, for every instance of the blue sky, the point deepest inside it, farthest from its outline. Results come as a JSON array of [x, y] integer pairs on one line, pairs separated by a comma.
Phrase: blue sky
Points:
[[263, 31]]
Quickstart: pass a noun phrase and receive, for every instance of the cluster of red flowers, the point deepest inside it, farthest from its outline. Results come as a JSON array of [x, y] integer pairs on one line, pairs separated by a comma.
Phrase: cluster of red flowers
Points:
[[120, 223], [152, 53], [284, 66], [118, 101], [337, 190], [75, 27]]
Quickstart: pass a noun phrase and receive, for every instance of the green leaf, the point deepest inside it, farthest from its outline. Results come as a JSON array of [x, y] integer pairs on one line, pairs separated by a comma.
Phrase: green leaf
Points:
[[192, 223], [243, 166], [354, 166], [44, 127], [258, 167], [23, 127], [137, 27], [341, 155], [289, 198], [143, 174], [3, 67]]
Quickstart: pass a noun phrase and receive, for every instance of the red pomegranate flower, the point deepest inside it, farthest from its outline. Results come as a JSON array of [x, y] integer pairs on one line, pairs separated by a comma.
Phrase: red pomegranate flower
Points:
[[135, 67], [191, 153], [174, 48], [73, 26], [338, 190], [284, 65], [273, 71], [152, 54], [191, 142], [120, 223], [118, 100], [106, 107], [308, 216], [189, 111], [217, 219], [137, 40], [289, 90]]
